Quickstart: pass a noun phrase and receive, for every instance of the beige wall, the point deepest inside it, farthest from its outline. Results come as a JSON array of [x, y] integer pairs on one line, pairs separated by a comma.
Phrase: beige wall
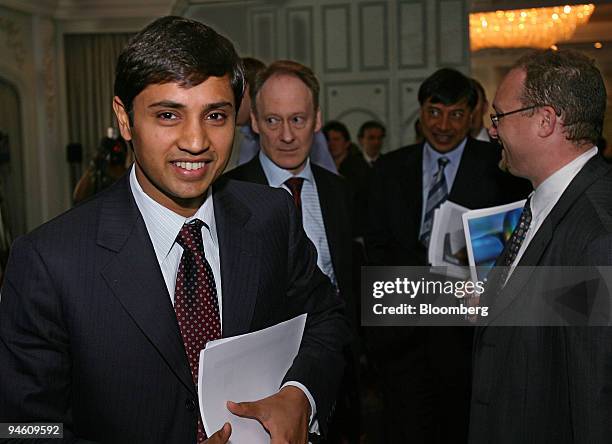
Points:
[[28, 61], [370, 56]]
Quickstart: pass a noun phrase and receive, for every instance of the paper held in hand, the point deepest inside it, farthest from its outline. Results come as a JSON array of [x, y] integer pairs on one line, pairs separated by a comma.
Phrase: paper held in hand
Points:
[[245, 368]]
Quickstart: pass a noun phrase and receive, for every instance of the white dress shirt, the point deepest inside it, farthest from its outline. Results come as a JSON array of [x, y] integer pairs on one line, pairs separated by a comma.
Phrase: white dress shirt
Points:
[[546, 196], [312, 218], [164, 226]]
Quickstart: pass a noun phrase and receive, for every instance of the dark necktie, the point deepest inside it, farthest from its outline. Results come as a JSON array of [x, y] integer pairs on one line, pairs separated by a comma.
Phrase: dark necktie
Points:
[[295, 186], [515, 242], [195, 300], [438, 193]]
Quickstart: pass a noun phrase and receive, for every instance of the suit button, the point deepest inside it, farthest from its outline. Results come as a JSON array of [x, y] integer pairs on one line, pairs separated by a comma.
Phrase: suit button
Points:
[[190, 405]]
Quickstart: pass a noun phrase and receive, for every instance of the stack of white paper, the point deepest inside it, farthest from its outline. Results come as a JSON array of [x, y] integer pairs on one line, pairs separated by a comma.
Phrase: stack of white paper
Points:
[[245, 368], [447, 246]]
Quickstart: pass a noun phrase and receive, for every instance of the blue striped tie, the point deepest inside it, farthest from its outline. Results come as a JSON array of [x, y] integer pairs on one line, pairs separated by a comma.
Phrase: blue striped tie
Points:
[[438, 193]]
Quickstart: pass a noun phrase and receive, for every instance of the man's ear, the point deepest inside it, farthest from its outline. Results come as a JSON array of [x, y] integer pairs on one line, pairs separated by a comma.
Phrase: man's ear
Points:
[[547, 121], [318, 121], [254, 125], [122, 118]]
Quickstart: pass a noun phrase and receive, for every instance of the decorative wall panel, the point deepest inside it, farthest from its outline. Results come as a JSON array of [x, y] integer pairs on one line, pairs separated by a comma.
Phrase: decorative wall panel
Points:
[[452, 32], [336, 38], [300, 35], [263, 34], [412, 34], [373, 37], [354, 102]]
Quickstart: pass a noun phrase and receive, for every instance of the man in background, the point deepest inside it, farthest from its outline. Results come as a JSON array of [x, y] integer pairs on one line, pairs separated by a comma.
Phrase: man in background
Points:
[[249, 147], [246, 142], [426, 371], [371, 136], [352, 166], [285, 113]]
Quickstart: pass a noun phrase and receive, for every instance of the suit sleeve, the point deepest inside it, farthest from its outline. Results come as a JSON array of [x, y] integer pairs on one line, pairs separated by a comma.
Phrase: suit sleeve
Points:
[[589, 360], [319, 363], [35, 364]]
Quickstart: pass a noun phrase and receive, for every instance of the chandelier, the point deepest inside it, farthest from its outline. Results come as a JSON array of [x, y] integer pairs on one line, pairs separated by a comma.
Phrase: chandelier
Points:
[[531, 28]]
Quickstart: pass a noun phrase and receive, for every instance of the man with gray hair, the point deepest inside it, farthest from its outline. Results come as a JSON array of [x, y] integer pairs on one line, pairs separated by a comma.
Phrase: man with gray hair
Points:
[[548, 384]]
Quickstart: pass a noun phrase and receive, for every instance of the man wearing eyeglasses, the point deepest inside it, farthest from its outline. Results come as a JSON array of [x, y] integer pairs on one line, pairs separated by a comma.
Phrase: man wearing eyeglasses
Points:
[[549, 382], [431, 404]]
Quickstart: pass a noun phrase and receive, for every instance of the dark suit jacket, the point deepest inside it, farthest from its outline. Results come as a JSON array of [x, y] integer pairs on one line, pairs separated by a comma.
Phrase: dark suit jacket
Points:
[[357, 173], [89, 337], [334, 198], [396, 198], [549, 384]]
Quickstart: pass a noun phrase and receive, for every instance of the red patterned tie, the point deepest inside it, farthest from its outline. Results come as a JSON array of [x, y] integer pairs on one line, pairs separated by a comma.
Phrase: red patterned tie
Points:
[[195, 300], [295, 186]]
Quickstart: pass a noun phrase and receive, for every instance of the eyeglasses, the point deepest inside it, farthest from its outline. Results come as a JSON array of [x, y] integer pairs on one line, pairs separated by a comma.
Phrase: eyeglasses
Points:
[[495, 117]]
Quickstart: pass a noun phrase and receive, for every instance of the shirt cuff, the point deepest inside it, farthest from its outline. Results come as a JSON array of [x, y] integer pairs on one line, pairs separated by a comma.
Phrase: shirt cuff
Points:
[[313, 424]]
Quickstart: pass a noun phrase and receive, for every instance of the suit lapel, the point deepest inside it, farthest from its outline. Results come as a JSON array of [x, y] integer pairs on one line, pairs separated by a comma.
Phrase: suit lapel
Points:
[[463, 184], [593, 170], [410, 190], [254, 172], [238, 250], [136, 279]]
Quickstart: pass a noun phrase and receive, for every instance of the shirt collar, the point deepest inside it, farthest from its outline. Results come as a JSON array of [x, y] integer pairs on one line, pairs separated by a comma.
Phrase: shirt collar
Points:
[[369, 159], [277, 176], [549, 191], [164, 224], [454, 156]]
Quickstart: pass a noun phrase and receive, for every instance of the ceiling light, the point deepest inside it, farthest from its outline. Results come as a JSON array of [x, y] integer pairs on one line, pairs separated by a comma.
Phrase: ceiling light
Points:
[[534, 27]]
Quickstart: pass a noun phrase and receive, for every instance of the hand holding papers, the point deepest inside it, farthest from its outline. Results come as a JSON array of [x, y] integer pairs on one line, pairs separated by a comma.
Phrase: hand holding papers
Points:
[[249, 367]]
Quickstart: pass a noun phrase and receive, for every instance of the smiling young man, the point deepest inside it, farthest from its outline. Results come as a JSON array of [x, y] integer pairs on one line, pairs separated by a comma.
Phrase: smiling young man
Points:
[[104, 310], [408, 185]]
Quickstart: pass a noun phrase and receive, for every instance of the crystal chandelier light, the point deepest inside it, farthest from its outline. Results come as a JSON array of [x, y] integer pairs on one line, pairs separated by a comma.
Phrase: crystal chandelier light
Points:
[[532, 28]]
